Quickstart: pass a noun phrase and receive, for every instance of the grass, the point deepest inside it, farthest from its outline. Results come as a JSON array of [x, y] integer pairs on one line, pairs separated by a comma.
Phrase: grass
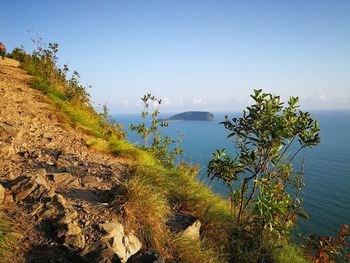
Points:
[[6, 243], [289, 253], [153, 192]]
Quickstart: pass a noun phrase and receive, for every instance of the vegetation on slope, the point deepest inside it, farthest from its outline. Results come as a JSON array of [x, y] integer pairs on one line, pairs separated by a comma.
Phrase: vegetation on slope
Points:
[[153, 192]]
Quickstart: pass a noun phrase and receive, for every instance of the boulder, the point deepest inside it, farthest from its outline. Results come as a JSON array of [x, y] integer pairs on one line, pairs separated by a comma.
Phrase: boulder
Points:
[[99, 252], [60, 177], [91, 181], [185, 225], [192, 231], [75, 241], [124, 245], [30, 187]]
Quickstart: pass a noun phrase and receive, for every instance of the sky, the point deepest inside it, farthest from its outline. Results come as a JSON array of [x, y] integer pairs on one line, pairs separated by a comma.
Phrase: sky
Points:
[[194, 54]]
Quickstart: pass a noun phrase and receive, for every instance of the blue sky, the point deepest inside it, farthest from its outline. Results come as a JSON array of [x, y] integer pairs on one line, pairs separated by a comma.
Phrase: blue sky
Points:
[[195, 54]]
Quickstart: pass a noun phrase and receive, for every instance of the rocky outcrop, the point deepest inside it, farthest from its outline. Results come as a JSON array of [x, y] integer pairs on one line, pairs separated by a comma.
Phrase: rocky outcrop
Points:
[[122, 244], [185, 225], [34, 188], [31, 187], [192, 231]]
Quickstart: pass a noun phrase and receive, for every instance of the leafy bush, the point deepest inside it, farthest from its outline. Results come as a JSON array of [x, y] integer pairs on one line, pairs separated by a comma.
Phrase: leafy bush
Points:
[[160, 146], [264, 188], [328, 249]]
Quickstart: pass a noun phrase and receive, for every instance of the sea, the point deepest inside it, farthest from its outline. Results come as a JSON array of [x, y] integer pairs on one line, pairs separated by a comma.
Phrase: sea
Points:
[[326, 193]]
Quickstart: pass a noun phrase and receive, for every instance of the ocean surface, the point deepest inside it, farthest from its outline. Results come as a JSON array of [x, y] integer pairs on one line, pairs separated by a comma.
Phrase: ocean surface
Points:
[[327, 167]]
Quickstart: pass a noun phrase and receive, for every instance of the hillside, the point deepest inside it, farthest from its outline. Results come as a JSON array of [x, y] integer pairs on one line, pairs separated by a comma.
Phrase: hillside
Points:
[[42, 160], [73, 190], [68, 194]]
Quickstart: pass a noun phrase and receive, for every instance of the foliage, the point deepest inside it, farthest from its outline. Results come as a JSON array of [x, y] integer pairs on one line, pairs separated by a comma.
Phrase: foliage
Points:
[[20, 55], [263, 185], [160, 145], [328, 249]]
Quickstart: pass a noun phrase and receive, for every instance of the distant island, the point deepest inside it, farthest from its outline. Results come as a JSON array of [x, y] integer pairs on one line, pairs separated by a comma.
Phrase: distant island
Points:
[[192, 116]]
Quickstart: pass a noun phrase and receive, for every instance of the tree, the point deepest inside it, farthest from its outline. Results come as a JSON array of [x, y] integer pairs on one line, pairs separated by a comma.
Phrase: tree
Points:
[[263, 185]]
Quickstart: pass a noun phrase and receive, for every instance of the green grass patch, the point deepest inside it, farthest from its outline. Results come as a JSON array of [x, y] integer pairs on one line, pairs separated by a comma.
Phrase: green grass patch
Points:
[[6, 243]]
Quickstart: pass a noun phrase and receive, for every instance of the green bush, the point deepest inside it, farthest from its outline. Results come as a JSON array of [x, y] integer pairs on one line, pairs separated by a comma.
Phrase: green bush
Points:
[[264, 188]]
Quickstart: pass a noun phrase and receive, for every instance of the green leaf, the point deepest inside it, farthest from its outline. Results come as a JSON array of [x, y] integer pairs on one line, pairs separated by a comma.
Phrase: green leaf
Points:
[[302, 213]]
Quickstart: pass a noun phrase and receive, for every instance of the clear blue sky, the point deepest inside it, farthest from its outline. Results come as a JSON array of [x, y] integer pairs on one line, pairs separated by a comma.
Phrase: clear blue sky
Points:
[[195, 54]]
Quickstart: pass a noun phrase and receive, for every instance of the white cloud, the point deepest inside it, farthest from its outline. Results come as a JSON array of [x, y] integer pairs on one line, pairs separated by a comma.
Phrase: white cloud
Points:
[[125, 103], [197, 101], [166, 102]]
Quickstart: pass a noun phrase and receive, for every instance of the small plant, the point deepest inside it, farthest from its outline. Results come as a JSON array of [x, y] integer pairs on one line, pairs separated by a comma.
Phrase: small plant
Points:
[[75, 92], [159, 145], [328, 249], [263, 185], [20, 55], [109, 127]]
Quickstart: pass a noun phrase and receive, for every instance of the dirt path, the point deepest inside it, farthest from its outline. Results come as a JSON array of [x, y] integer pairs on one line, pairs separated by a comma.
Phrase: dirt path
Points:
[[34, 147]]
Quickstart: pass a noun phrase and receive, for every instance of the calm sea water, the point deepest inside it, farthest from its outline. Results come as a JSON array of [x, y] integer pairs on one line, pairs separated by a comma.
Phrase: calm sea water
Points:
[[327, 167]]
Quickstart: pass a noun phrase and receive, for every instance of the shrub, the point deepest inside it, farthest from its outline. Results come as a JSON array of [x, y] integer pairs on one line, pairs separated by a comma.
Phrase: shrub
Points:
[[159, 146], [328, 249], [264, 188]]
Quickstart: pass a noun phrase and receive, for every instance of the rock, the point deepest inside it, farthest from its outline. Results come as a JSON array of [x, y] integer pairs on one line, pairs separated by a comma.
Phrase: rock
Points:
[[48, 213], [123, 245], [91, 181], [60, 177], [144, 256], [75, 183], [99, 252], [72, 230], [68, 218], [75, 241], [36, 209], [57, 198], [2, 194], [111, 228], [7, 132], [126, 246], [192, 231], [51, 193], [30, 187], [7, 149]]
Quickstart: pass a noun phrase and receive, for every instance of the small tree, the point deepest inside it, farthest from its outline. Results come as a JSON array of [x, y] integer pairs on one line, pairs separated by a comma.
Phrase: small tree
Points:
[[159, 146], [261, 180]]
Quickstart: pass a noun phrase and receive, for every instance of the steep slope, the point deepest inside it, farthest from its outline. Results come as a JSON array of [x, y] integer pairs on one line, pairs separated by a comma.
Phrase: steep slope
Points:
[[69, 202], [34, 143]]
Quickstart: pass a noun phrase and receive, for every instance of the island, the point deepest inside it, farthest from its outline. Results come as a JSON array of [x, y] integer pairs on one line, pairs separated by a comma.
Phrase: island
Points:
[[192, 116]]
